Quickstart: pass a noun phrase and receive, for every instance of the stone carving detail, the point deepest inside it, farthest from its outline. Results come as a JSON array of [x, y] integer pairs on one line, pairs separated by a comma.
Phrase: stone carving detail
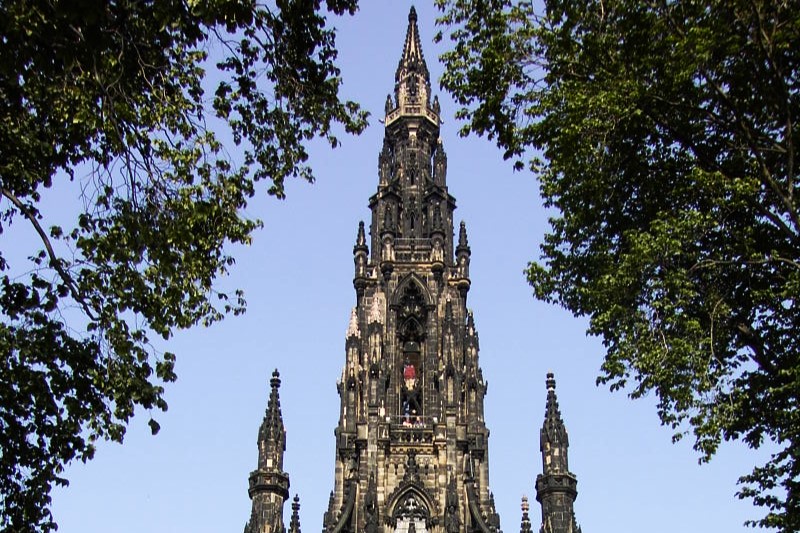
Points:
[[412, 469], [452, 523], [412, 314], [371, 507], [411, 444]]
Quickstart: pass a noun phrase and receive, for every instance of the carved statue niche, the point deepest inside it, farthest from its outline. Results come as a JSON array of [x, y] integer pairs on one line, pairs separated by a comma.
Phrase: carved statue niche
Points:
[[412, 315], [437, 215], [413, 89], [452, 523], [371, 507]]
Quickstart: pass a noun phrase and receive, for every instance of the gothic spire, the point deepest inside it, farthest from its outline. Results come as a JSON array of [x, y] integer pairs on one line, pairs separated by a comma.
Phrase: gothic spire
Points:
[[556, 486], [553, 430], [412, 88], [412, 59], [268, 483], [272, 434]]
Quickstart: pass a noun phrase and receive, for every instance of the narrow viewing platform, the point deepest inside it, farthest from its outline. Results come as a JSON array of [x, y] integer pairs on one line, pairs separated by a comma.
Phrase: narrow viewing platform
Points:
[[408, 429]]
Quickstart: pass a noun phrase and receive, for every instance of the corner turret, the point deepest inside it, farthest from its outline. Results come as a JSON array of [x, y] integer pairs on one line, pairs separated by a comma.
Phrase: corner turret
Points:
[[360, 257], [463, 254], [556, 487], [269, 484]]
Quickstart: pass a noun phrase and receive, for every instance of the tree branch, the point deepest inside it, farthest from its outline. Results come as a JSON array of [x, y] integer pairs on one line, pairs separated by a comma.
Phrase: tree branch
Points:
[[55, 262]]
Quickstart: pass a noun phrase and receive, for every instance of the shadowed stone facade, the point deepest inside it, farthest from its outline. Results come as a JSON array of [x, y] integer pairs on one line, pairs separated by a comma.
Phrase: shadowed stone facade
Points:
[[411, 442]]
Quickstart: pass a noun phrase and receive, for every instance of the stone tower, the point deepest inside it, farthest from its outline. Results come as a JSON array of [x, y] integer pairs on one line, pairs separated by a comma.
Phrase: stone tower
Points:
[[411, 444]]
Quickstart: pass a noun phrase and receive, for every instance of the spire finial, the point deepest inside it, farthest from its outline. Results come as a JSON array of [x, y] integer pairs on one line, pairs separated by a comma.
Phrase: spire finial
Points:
[[553, 425], [463, 243], [272, 427], [294, 524], [553, 434], [272, 434], [525, 526], [412, 15], [551, 382], [361, 238]]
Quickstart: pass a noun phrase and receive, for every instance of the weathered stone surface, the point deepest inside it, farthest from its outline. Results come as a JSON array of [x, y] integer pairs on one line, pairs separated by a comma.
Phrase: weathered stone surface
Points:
[[411, 442]]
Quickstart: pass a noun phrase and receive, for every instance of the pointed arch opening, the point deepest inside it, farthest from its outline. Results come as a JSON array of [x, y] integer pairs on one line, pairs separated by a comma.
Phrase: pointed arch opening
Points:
[[411, 303], [410, 511]]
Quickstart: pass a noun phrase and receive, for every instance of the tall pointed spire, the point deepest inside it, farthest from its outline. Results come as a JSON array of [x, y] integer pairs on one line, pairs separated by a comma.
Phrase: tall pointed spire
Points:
[[412, 60], [556, 487], [412, 88], [269, 484]]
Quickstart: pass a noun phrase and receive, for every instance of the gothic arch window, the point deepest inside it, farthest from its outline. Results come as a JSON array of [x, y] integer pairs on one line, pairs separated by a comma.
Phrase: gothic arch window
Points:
[[411, 514]]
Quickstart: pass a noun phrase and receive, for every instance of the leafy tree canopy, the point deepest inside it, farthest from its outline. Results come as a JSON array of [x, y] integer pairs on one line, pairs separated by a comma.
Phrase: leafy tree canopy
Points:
[[667, 138], [119, 102]]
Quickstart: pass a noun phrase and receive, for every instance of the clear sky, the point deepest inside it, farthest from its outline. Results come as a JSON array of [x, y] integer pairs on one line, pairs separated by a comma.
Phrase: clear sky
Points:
[[297, 275]]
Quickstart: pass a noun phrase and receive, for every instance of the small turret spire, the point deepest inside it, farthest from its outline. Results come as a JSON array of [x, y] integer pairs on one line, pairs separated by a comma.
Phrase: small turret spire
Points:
[[294, 523], [553, 430], [556, 486], [269, 484], [463, 244], [361, 238], [272, 434]]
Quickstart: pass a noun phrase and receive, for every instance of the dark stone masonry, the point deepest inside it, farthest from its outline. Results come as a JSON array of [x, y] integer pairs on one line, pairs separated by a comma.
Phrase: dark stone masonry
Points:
[[411, 443]]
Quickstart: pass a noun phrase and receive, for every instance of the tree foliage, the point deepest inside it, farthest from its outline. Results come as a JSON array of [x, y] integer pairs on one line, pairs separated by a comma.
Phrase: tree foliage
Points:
[[666, 132], [119, 103]]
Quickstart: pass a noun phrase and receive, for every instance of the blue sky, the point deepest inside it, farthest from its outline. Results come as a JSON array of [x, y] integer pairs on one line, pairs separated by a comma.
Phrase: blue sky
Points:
[[297, 275]]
